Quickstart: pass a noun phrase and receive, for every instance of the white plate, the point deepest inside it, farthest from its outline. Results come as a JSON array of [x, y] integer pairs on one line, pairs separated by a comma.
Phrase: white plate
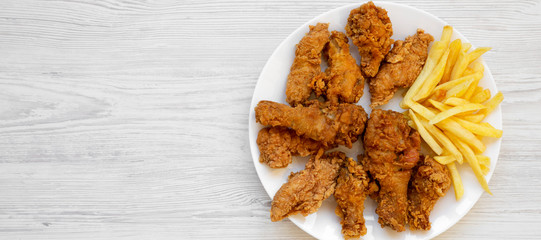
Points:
[[324, 224]]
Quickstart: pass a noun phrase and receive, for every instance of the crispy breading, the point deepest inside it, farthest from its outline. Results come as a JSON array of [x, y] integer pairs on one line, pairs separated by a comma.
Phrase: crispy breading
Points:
[[305, 190], [391, 151], [306, 65], [370, 29], [401, 67]]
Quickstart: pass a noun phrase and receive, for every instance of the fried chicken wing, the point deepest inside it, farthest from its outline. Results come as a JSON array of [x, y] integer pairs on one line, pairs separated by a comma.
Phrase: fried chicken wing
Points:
[[352, 187], [277, 145], [370, 29], [341, 124], [430, 181], [305, 190], [306, 65], [401, 67], [391, 151]]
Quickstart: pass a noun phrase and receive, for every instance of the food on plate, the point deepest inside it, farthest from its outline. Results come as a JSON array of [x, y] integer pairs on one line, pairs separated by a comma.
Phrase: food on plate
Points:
[[352, 188], [430, 181], [305, 190], [370, 29], [277, 145], [447, 106], [344, 81], [392, 149], [341, 124], [400, 68], [306, 65]]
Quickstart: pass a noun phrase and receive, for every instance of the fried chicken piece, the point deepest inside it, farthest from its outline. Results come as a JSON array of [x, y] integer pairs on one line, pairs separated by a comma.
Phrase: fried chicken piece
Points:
[[341, 124], [370, 29], [391, 151], [430, 181], [401, 67], [305, 190], [306, 66], [352, 187], [344, 80], [277, 145]]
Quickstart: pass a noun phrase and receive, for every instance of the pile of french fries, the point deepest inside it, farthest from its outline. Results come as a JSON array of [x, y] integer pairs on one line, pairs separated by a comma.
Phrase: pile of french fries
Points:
[[447, 106]]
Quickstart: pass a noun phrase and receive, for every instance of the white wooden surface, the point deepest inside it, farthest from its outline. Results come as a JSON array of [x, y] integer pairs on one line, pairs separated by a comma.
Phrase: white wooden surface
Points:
[[128, 119]]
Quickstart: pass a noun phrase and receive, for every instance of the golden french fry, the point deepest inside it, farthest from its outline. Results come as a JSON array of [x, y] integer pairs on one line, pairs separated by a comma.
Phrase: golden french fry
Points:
[[421, 110], [463, 134], [477, 66], [484, 162], [444, 160], [461, 64], [469, 92], [466, 47], [460, 89], [453, 83], [477, 90], [473, 55], [440, 106], [454, 47], [457, 181], [480, 129], [444, 140], [434, 55], [454, 101], [455, 110], [481, 96], [475, 118], [425, 135], [433, 79], [468, 71], [492, 104], [472, 161]]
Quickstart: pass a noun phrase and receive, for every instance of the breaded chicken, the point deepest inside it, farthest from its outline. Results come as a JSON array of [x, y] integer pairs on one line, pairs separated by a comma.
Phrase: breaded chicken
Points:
[[401, 67], [352, 187], [305, 190], [341, 124], [430, 181], [391, 151], [306, 65], [277, 145], [370, 29], [343, 81]]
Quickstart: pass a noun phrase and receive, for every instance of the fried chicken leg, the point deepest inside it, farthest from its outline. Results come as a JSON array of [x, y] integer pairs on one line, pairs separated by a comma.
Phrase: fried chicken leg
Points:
[[370, 29], [352, 187], [341, 124], [305, 190], [401, 67], [306, 65], [391, 151], [277, 145], [430, 181]]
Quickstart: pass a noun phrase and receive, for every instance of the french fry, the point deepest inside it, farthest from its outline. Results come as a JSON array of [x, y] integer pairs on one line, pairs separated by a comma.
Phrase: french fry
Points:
[[477, 66], [461, 64], [421, 110], [457, 181], [440, 106], [466, 47], [453, 83], [472, 161], [454, 101], [455, 110], [475, 118], [444, 140], [480, 129], [460, 89], [436, 51], [475, 54], [492, 104], [425, 135], [468, 71], [463, 134], [481, 96], [484, 162], [454, 50], [477, 90], [444, 160], [469, 93], [433, 79]]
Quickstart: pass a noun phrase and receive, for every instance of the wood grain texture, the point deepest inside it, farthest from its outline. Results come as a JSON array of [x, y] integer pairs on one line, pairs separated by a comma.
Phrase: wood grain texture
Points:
[[128, 119]]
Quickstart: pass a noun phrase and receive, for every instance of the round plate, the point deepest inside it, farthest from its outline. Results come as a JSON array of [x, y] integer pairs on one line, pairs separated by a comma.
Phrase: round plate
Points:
[[324, 224]]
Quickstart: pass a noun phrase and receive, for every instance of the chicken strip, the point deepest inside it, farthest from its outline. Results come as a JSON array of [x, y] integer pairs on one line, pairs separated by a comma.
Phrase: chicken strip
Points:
[[306, 65], [277, 145], [370, 29], [430, 181], [305, 190], [352, 187], [401, 67], [391, 151], [330, 125], [344, 80]]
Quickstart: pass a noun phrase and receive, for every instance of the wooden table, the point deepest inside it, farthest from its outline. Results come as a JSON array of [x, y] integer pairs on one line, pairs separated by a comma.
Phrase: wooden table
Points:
[[129, 119]]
